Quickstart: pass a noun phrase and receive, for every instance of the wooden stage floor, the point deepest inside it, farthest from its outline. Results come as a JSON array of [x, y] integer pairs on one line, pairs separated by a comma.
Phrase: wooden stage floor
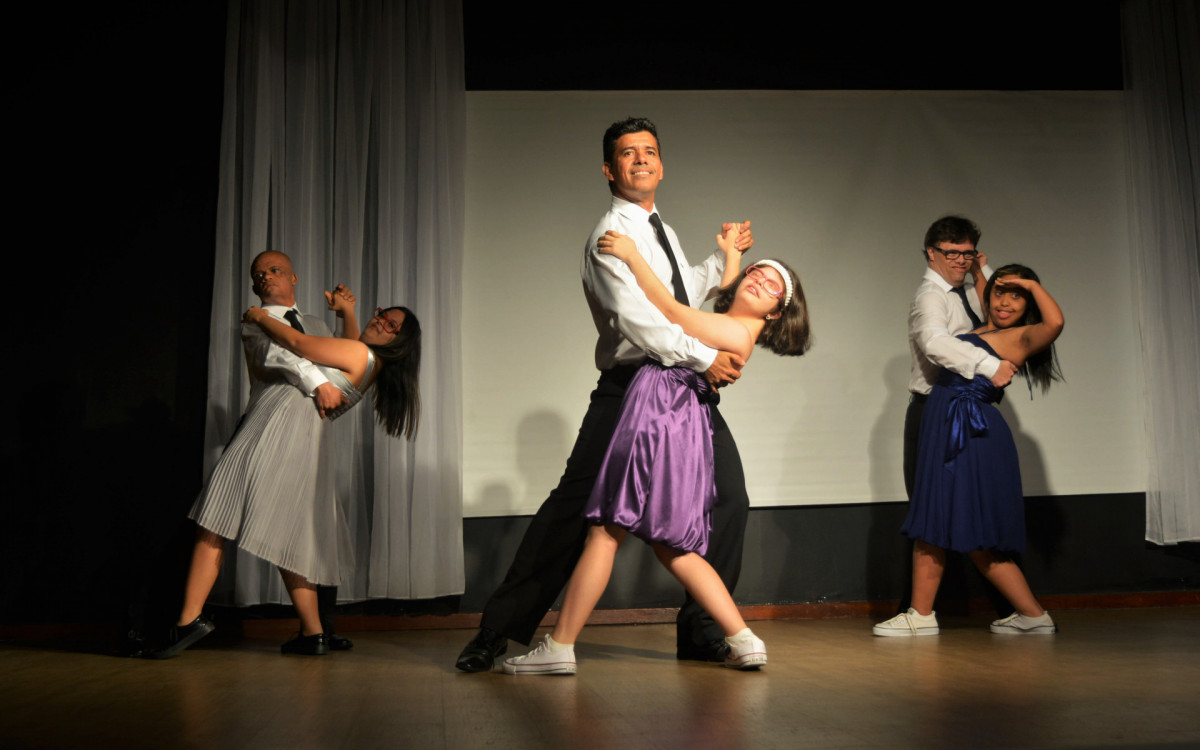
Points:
[[1112, 678]]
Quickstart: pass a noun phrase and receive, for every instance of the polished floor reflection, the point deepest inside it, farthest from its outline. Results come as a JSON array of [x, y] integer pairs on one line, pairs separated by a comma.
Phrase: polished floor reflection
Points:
[[1111, 678]]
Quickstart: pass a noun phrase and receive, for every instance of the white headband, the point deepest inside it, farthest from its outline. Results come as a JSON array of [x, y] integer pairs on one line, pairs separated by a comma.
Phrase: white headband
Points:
[[787, 278]]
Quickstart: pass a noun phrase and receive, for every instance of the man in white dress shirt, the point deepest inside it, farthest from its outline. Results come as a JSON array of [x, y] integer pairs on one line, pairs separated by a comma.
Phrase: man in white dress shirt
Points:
[[270, 365], [629, 329], [945, 306], [274, 281]]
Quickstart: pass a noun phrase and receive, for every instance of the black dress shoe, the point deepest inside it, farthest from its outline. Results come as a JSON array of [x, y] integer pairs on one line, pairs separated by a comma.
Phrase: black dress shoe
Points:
[[480, 654], [183, 636], [307, 645], [712, 651], [339, 642]]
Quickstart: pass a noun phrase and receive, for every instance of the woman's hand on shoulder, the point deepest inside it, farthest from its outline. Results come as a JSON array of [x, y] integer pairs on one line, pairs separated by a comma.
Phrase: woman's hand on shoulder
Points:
[[340, 299], [615, 243], [255, 315], [977, 265]]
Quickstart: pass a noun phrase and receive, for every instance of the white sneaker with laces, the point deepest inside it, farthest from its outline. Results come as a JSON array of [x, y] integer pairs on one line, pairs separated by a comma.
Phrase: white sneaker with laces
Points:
[[908, 623], [747, 653], [549, 657], [1018, 624]]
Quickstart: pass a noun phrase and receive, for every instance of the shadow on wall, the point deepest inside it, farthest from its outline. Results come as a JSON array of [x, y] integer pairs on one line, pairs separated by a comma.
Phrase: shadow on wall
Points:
[[887, 565], [1045, 524], [538, 434]]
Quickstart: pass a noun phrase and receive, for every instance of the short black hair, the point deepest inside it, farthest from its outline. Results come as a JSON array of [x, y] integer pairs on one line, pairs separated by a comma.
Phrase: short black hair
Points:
[[953, 229], [625, 127]]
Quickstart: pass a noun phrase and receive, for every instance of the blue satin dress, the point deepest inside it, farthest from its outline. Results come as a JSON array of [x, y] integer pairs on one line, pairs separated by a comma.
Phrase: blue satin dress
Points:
[[657, 477], [967, 490]]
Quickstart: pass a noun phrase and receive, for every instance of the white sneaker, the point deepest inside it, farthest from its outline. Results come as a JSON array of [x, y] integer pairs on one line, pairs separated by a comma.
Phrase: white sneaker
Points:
[[548, 658], [749, 653], [1018, 624], [909, 623]]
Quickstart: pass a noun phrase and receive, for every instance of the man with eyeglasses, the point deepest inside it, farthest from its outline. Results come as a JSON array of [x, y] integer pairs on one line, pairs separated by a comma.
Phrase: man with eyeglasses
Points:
[[630, 329], [943, 307]]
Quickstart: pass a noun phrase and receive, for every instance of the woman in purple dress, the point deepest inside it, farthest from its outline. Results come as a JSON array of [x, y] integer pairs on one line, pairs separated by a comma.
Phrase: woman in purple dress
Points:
[[657, 478], [967, 494]]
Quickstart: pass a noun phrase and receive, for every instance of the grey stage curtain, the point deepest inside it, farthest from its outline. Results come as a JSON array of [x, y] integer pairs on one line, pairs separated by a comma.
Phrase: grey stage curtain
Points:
[[1162, 81], [342, 144]]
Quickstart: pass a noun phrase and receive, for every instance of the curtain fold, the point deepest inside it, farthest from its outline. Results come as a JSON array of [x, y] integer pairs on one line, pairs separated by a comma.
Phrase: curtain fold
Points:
[[343, 144], [1162, 82]]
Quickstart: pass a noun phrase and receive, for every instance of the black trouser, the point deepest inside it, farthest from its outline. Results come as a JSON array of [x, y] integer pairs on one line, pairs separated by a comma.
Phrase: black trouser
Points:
[[554, 540], [912, 435]]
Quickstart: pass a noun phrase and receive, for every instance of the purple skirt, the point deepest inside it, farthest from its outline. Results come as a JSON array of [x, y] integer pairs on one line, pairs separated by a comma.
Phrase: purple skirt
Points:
[[657, 477]]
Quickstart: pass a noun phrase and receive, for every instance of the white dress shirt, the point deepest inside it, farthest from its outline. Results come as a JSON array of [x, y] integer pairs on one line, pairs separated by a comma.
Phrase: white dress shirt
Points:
[[630, 327], [262, 351], [936, 317]]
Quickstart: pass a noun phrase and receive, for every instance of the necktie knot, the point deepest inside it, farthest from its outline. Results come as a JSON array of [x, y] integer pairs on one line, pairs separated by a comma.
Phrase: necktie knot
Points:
[[962, 295], [293, 319]]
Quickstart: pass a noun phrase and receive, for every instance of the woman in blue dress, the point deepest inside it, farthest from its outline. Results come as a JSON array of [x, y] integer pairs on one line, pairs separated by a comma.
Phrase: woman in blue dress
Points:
[[967, 493], [657, 478]]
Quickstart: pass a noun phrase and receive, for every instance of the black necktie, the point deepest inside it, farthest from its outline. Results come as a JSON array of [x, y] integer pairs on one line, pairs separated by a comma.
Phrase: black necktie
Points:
[[676, 277], [962, 295], [293, 318]]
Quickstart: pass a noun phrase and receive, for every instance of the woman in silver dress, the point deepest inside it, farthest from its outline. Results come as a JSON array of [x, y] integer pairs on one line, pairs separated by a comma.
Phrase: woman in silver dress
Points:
[[276, 510]]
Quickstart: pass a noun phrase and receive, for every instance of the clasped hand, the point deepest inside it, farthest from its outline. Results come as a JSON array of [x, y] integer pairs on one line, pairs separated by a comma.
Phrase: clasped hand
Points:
[[340, 299]]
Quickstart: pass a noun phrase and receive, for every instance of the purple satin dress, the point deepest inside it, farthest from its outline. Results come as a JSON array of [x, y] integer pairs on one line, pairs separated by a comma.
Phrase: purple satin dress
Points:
[[657, 477]]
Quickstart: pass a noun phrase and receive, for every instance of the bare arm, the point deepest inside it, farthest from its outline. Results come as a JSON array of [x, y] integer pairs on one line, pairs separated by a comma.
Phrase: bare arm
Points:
[[347, 355], [716, 331], [727, 368], [1022, 342], [1041, 335], [980, 277], [727, 241]]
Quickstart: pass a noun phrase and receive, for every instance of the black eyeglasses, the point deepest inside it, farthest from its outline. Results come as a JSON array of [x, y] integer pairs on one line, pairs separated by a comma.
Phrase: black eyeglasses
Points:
[[956, 254]]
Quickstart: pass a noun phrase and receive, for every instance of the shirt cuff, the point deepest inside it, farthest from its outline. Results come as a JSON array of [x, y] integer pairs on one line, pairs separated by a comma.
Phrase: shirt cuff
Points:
[[312, 381]]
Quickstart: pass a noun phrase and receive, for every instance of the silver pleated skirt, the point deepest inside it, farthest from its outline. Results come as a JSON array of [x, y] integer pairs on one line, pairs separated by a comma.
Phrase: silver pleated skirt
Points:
[[273, 488]]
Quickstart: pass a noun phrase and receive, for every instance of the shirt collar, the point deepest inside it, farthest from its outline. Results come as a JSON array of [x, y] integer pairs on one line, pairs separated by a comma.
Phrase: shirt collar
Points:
[[631, 210], [279, 310], [936, 279]]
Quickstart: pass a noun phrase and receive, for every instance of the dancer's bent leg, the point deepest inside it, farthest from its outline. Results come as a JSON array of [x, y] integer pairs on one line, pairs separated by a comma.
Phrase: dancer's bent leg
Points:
[[588, 581]]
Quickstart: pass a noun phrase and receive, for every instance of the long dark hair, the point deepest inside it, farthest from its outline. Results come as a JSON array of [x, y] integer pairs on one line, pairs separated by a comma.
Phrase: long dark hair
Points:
[[1040, 369], [397, 391], [789, 334]]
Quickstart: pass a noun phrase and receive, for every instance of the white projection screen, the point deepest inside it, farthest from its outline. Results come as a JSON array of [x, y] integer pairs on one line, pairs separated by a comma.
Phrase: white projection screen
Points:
[[843, 186]]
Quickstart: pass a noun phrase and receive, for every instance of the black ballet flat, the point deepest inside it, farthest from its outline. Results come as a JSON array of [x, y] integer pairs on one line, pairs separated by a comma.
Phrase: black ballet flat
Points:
[[307, 645], [184, 636]]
